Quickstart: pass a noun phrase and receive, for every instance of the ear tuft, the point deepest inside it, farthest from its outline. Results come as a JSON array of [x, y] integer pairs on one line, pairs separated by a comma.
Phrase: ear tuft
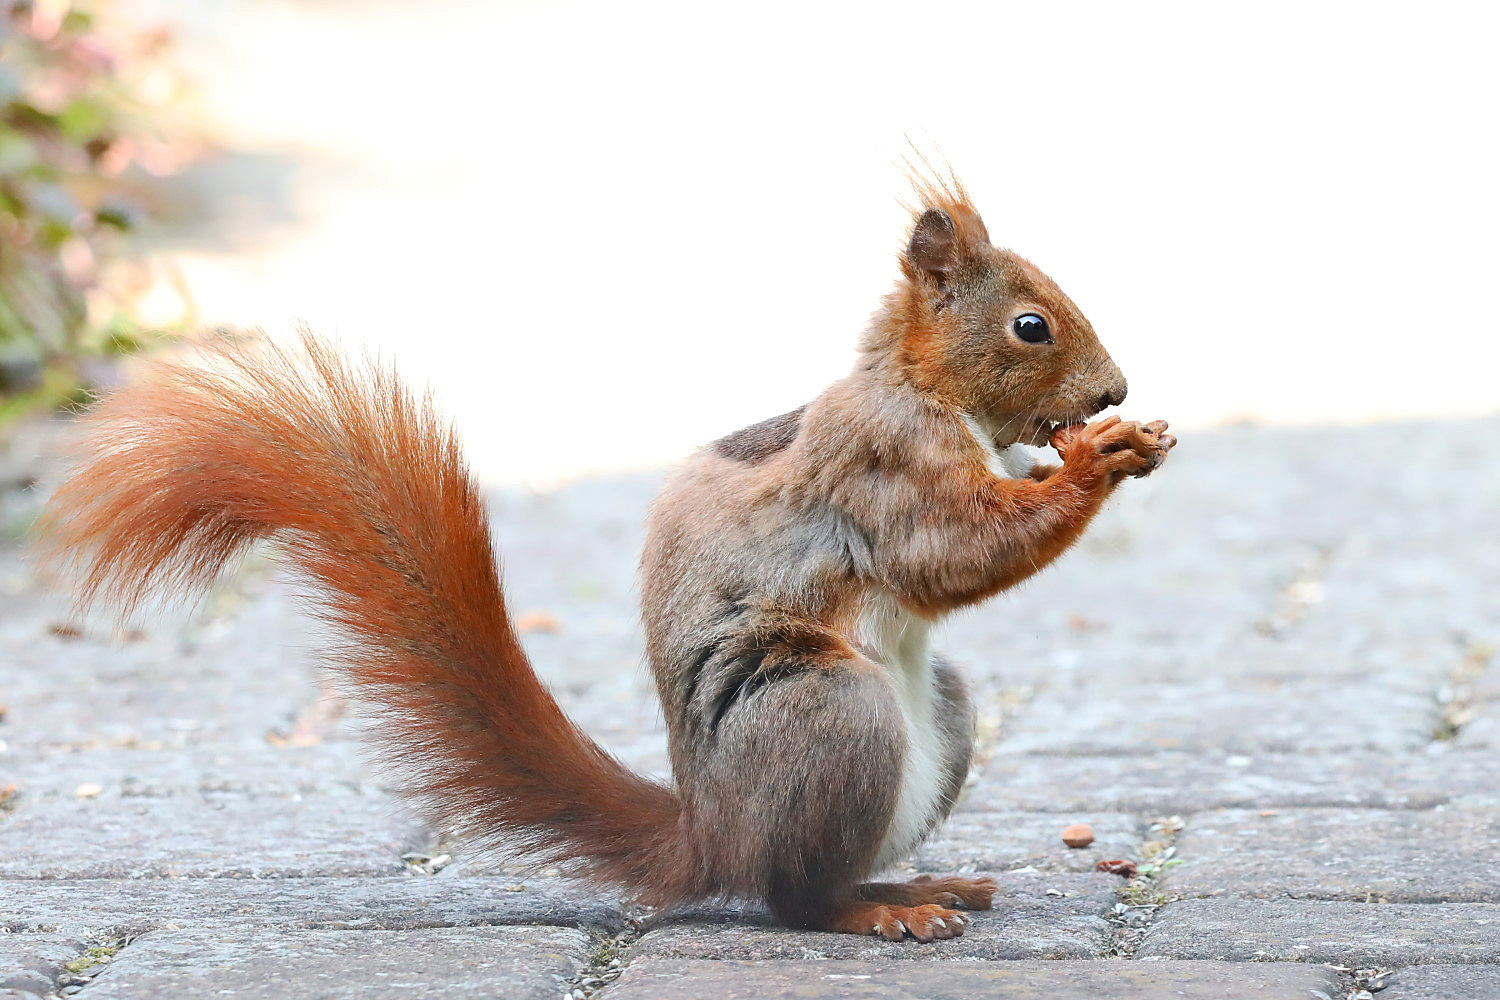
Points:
[[934, 244]]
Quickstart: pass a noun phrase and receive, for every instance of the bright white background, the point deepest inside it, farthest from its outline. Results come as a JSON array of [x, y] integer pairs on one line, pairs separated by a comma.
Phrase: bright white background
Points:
[[607, 232]]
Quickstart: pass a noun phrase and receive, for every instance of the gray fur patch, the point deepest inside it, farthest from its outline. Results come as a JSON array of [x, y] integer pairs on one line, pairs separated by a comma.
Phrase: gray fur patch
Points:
[[758, 442]]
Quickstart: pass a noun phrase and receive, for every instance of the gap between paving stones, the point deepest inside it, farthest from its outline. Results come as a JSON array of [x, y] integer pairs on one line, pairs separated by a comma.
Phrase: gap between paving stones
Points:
[[1140, 898], [604, 965], [1459, 698], [1302, 593], [1355, 982], [99, 952]]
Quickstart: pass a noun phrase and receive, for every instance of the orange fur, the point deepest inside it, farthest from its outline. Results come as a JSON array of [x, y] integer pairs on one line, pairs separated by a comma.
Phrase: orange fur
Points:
[[893, 921], [366, 490], [941, 189]]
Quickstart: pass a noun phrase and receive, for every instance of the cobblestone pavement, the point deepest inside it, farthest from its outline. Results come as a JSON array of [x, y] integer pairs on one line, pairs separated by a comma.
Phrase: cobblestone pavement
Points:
[[1266, 676]]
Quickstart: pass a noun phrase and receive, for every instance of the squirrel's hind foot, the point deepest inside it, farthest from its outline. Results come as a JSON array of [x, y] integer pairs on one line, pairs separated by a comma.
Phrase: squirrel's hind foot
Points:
[[928, 922], [953, 891]]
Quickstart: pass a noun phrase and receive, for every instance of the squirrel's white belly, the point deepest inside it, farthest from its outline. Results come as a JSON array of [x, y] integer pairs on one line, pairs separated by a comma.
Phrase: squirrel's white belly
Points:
[[900, 642]]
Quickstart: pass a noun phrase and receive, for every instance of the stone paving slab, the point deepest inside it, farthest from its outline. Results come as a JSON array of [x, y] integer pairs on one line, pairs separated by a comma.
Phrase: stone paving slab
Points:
[[328, 769], [1064, 621], [525, 963], [997, 841], [1174, 782], [1087, 647], [1358, 935], [877, 980], [1360, 854], [122, 907], [1228, 714], [179, 712], [203, 838], [1432, 582], [239, 668], [236, 696], [1444, 982], [1026, 922], [33, 963]]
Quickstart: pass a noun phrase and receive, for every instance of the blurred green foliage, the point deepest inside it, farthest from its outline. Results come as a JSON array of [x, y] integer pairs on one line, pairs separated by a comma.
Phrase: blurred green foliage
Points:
[[85, 106]]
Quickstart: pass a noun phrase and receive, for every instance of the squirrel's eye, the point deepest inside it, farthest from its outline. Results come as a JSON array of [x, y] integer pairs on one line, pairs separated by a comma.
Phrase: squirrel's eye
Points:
[[1032, 329]]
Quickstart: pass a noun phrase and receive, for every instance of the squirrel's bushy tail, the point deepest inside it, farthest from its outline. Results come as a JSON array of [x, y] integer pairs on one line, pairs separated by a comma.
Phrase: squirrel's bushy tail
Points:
[[366, 490]]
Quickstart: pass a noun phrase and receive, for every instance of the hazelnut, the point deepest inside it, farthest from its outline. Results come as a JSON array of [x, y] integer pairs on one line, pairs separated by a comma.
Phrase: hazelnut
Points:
[[1078, 835]]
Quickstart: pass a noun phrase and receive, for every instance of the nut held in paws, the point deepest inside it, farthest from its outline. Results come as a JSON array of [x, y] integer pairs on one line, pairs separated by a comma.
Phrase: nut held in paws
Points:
[[1064, 435], [1078, 835]]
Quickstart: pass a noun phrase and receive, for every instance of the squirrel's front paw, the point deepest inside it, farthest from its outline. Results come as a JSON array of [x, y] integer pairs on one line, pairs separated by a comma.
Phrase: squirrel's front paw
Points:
[[1119, 447]]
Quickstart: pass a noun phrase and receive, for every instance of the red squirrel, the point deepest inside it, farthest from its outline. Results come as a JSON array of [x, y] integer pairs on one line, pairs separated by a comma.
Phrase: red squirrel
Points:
[[791, 573]]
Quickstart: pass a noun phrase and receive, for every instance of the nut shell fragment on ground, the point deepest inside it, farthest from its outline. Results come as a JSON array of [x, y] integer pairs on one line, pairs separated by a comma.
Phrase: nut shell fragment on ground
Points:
[[1078, 835]]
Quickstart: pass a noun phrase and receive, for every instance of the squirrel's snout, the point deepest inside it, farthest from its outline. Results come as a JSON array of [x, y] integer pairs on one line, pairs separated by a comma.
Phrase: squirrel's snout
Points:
[[1113, 396]]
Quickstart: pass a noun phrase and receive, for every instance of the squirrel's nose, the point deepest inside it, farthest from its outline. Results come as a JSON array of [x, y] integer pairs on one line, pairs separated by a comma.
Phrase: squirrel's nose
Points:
[[1114, 397]]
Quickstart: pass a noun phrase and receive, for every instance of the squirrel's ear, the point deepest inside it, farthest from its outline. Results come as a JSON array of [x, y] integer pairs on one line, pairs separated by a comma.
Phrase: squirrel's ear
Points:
[[934, 245]]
